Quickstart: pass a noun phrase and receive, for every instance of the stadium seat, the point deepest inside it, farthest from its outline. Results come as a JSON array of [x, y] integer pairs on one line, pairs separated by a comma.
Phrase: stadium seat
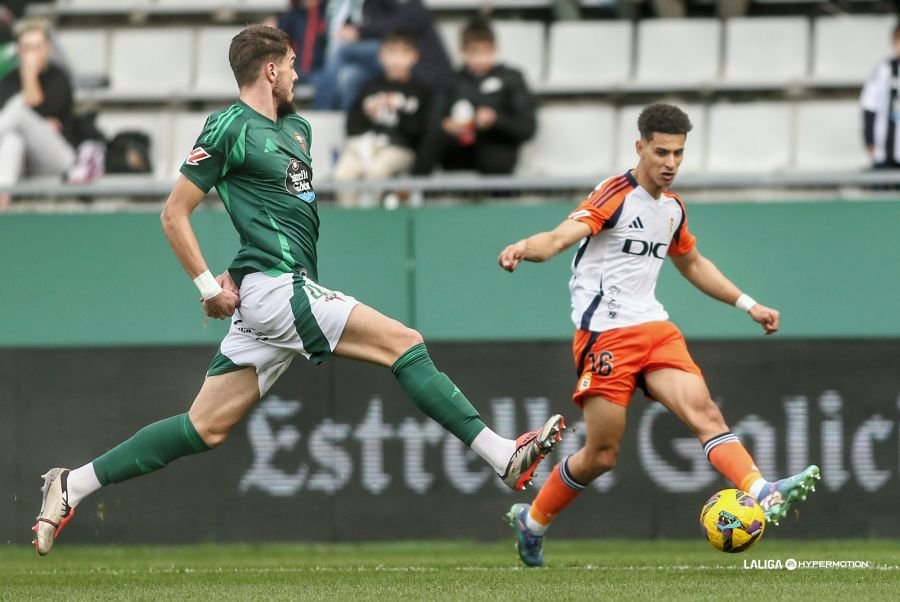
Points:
[[521, 44], [151, 61], [782, 58], [627, 133], [102, 5], [270, 6], [752, 137], [86, 52], [677, 53], [213, 73], [214, 4], [156, 124], [589, 55], [186, 128], [328, 129], [449, 32], [572, 140], [829, 136], [847, 48]]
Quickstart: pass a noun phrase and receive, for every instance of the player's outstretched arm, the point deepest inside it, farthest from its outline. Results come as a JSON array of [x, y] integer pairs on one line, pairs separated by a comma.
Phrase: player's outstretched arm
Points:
[[219, 301], [544, 245], [703, 274]]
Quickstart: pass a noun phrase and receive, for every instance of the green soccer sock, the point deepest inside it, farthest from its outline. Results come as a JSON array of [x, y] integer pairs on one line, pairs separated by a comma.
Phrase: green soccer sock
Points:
[[151, 448], [436, 395]]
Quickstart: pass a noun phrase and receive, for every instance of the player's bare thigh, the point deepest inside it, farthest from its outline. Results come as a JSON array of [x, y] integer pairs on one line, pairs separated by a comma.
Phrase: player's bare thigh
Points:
[[686, 395], [604, 425], [221, 403], [371, 336]]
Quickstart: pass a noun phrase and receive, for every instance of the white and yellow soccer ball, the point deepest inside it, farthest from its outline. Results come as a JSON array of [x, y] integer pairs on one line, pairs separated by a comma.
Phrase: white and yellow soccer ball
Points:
[[732, 521]]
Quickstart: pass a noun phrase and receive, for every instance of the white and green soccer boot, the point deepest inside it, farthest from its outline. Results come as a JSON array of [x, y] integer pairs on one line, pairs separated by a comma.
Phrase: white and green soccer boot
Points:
[[777, 497]]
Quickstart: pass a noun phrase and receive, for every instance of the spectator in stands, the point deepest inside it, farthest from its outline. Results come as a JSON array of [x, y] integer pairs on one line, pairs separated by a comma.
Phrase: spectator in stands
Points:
[[880, 116], [305, 23], [356, 28], [484, 113], [385, 122], [36, 119]]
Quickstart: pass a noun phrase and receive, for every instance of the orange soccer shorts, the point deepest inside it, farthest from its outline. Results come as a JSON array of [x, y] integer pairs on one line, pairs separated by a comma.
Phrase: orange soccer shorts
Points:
[[611, 364]]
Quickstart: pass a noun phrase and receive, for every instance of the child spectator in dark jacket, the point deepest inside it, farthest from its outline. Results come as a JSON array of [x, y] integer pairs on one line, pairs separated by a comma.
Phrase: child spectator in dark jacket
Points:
[[385, 124]]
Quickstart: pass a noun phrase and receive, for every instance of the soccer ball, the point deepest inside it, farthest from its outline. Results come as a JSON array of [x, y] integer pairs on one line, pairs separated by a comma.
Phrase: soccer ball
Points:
[[732, 521]]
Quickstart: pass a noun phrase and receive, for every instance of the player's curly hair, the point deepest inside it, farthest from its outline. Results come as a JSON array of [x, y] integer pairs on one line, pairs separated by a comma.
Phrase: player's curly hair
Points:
[[663, 118], [254, 46]]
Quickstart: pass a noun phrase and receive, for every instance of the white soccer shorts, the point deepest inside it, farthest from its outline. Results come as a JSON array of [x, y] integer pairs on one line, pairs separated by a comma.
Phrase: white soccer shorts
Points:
[[280, 317]]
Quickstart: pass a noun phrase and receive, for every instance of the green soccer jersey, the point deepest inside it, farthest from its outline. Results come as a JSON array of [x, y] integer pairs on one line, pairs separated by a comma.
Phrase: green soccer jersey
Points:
[[263, 173]]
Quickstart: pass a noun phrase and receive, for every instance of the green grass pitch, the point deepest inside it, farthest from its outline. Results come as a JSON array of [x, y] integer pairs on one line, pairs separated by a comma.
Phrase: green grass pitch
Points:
[[582, 570]]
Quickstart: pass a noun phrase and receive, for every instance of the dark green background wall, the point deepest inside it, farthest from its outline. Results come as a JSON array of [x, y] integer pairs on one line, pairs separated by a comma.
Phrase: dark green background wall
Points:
[[833, 269]]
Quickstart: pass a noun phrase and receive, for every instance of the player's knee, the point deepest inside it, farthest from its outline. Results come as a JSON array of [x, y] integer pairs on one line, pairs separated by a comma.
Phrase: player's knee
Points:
[[708, 418], [602, 460], [212, 435], [408, 337]]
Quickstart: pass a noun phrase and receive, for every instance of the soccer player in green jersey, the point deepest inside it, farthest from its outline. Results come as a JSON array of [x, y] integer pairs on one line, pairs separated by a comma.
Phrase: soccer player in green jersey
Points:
[[256, 154]]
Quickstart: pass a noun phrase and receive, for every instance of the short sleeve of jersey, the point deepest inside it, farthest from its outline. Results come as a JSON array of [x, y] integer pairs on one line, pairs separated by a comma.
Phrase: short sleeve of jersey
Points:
[[204, 165], [597, 209], [682, 241]]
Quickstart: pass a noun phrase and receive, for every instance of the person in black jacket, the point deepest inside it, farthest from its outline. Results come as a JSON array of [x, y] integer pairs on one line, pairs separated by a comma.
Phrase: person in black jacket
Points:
[[355, 58], [484, 113], [36, 119], [386, 121]]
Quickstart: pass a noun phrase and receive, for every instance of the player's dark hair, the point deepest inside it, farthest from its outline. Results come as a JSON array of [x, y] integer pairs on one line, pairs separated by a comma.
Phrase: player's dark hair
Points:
[[477, 30], [252, 48], [401, 37], [663, 118]]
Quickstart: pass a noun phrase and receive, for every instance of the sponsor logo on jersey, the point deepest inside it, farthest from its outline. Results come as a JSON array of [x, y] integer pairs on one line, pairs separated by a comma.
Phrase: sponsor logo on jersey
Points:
[[301, 140], [298, 180], [636, 224], [270, 147], [197, 155], [641, 248]]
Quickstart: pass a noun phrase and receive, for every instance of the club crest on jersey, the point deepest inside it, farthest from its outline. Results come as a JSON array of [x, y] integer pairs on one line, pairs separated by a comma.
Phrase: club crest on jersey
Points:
[[585, 381], [301, 140], [197, 155], [298, 180]]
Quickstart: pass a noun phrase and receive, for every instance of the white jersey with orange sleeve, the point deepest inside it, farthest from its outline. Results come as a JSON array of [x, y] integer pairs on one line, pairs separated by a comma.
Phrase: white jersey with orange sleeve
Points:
[[615, 269]]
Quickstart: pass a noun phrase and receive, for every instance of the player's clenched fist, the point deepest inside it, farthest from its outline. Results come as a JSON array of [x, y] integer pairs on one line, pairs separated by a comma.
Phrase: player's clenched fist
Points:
[[768, 317], [223, 305], [511, 256]]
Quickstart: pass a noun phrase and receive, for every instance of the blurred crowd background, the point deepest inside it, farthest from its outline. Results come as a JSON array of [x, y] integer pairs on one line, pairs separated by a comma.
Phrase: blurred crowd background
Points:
[[418, 100]]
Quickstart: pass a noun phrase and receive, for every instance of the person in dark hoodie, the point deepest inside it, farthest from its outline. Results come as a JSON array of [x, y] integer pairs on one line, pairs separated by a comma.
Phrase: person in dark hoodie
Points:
[[355, 58], [484, 113]]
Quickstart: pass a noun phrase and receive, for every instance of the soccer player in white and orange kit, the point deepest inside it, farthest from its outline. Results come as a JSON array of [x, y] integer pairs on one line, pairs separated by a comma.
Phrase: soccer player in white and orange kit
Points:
[[626, 227]]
